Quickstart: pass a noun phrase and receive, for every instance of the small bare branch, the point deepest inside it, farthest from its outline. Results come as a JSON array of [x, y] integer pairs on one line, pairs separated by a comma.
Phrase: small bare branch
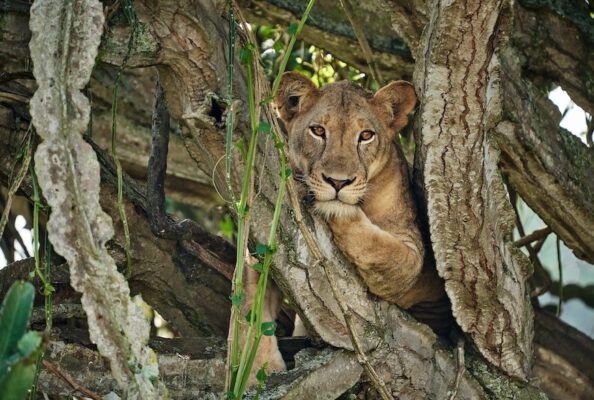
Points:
[[70, 381], [537, 235]]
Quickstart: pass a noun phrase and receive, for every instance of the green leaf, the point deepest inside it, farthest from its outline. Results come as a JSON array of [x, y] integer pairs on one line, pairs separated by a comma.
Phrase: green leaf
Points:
[[286, 173], [14, 316], [29, 343], [246, 56], [248, 316], [227, 227], [268, 328], [262, 249], [18, 381], [292, 30], [261, 374], [231, 395], [48, 289], [279, 145], [264, 127], [237, 299], [258, 267]]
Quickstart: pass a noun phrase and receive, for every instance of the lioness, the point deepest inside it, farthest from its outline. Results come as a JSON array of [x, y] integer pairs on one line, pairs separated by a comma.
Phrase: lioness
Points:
[[344, 147]]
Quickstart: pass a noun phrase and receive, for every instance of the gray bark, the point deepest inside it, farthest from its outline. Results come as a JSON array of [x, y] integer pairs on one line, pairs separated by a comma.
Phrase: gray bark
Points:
[[64, 46]]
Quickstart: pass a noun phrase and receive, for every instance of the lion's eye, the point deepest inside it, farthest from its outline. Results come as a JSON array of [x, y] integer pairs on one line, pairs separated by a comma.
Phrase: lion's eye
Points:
[[366, 136], [318, 130]]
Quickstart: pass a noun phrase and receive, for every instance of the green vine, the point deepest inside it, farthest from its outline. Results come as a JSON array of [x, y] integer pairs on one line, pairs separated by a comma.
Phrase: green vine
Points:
[[130, 15], [230, 107], [44, 276], [241, 365]]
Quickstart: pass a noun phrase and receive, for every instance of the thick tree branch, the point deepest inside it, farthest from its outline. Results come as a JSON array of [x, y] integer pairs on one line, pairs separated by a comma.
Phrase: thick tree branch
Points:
[[470, 217], [548, 167], [556, 37], [385, 333], [329, 29]]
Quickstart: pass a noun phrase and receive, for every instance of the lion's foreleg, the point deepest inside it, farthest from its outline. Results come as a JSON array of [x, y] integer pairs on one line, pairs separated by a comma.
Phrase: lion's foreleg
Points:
[[268, 351], [389, 263]]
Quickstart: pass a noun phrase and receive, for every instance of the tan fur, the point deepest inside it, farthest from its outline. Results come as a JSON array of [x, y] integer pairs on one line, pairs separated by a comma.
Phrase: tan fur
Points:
[[373, 219], [268, 351]]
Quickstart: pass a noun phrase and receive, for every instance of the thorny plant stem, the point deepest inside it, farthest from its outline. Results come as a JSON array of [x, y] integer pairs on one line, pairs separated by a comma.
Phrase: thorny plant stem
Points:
[[48, 289], [242, 211], [240, 368], [254, 333], [287, 54]]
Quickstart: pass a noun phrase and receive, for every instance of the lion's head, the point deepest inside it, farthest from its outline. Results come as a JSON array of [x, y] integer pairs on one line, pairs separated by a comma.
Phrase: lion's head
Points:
[[341, 136]]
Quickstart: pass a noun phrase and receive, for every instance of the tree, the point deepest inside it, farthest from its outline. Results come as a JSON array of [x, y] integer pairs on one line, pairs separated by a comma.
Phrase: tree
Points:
[[479, 69]]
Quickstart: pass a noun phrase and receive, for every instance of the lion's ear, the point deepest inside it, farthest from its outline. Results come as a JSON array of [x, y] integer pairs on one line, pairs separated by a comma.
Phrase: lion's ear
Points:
[[396, 100], [295, 94]]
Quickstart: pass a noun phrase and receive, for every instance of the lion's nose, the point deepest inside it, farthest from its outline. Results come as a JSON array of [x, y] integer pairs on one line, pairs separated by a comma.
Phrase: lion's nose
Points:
[[338, 183]]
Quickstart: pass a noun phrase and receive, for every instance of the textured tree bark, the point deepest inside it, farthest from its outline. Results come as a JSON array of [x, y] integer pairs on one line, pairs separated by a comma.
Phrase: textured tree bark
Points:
[[190, 38], [382, 328], [548, 166], [184, 183], [195, 367], [469, 215], [553, 40]]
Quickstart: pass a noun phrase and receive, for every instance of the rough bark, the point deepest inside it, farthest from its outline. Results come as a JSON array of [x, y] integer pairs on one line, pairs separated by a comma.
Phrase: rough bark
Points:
[[548, 166], [184, 183], [63, 49], [195, 366], [191, 88], [470, 217], [553, 40]]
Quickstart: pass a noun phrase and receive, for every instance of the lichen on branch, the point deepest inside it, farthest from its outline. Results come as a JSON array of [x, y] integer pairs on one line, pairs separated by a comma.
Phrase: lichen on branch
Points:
[[64, 43]]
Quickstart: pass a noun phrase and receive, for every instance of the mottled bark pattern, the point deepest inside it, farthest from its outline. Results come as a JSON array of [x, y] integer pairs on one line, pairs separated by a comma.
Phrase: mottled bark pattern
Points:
[[547, 165], [63, 46], [469, 215]]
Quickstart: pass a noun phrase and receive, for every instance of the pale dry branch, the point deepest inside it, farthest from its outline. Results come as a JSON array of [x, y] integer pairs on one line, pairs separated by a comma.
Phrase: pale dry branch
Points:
[[64, 45]]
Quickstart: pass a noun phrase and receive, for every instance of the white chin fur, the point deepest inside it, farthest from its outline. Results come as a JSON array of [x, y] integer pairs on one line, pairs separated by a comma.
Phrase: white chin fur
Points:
[[335, 208]]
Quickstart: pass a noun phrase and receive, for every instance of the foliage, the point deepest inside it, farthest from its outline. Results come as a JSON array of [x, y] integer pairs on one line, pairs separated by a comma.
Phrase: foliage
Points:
[[242, 362], [322, 67], [19, 349]]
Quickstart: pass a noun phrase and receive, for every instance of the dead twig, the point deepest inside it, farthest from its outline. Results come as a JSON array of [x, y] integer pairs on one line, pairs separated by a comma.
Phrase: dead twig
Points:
[[70, 381], [365, 48], [532, 251], [461, 367], [533, 237]]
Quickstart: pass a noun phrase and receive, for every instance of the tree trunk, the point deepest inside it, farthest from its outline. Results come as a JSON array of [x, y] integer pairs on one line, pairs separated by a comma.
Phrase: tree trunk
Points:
[[471, 63]]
